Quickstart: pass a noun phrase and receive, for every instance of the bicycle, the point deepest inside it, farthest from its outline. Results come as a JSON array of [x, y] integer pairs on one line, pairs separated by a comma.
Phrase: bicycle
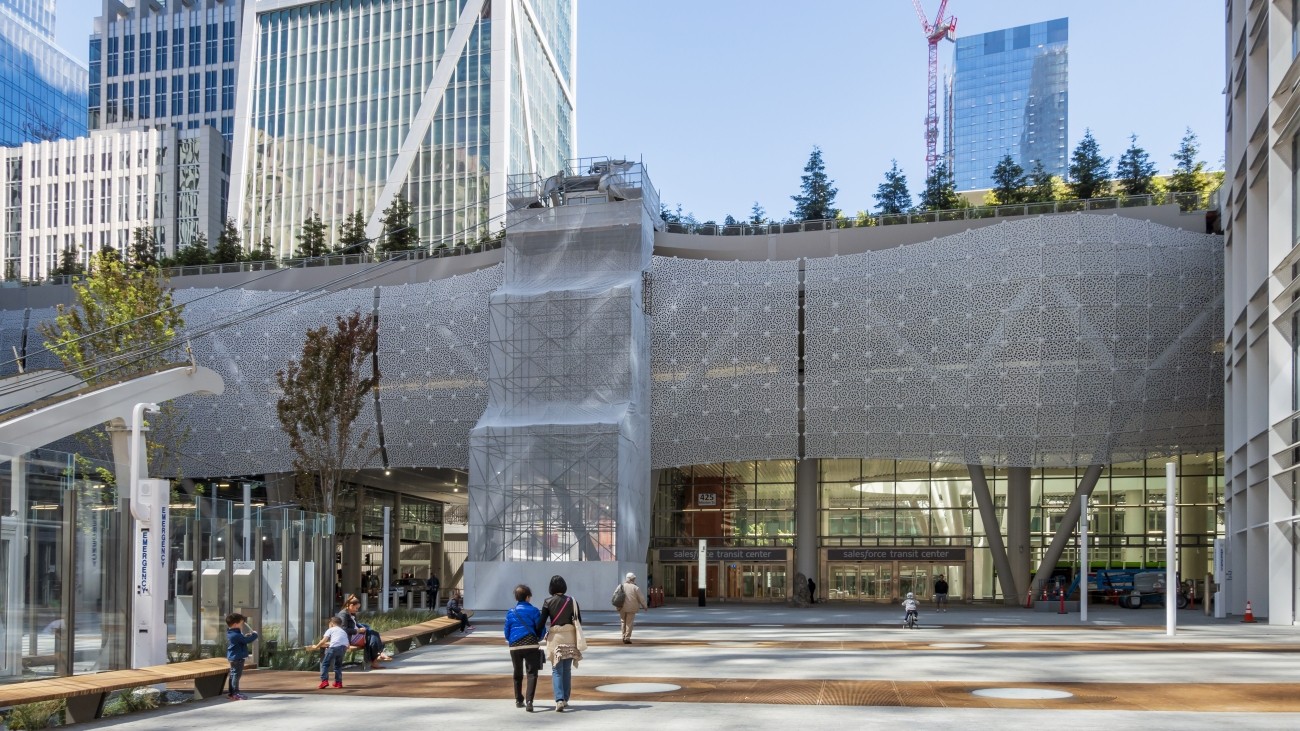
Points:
[[911, 620]]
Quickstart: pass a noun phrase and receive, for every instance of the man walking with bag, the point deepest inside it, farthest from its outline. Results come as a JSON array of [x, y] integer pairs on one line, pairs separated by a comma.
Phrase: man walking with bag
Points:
[[632, 601]]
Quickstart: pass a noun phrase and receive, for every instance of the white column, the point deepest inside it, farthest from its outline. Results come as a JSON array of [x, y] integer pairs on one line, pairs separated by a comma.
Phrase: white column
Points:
[[1083, 557], [1171, 549], [383, 591], [805, 515]]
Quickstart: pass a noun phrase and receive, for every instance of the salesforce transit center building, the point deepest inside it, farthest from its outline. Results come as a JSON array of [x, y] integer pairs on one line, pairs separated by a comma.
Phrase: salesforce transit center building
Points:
[[869, 407]]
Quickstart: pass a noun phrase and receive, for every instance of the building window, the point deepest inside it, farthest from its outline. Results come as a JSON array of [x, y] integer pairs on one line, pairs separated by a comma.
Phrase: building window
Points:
[[112, 57], [178, 49], [193, 106], [196, 45], [146, 52], [144, 98], [210, 46], [209, 91], [110, 114], [228, 42], [227, 89], [178, 95], [160, 55], [128, 55], [128, 100], [160, 97]]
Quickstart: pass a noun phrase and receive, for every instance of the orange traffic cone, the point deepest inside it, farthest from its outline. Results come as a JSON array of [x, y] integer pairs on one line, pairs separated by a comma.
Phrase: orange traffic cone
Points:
[[1250, 615]]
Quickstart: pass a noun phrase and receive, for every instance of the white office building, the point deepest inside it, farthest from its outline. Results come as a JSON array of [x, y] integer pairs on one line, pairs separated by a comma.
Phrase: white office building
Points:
[[91, 192], [1262, 309], [343, 106]]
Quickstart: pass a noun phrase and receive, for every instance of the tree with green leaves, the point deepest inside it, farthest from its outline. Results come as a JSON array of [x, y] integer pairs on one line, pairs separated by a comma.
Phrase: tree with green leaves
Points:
[[263, 251], [324, 392], [940, 192], [1042, 186], [816, 202], [399, 233], [1009, 181], [69, 263], [312, 238], [1089, 171], [1135, 173], [892, 196], [122, 322], [1189, 175], [195, 253], [352, 235], [230, 244], [757, 215], [143, 253]]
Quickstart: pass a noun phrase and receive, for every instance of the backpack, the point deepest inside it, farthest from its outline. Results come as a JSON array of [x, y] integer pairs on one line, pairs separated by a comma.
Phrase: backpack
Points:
[[619, 597]]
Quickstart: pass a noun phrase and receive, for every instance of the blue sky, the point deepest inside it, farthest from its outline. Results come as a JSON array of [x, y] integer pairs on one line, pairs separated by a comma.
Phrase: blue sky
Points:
[[724, 99]]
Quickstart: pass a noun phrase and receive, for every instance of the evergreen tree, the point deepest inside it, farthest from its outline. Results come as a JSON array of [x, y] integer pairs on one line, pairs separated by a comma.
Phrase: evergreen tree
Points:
[[352, 235], [757, 215], [230, 244], [263, 251], [399, 234], [1089, 171], [940, 192], [69, 264], [892, 196], [1043, 187], [143, 253], [312, 238], [1189, 173], [1009, 182], [817, 202], [194, 253], [1135, 172]]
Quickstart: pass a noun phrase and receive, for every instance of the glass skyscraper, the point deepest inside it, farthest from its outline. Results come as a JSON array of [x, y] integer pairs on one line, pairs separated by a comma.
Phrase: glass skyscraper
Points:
[[1010, 96], [345, 105], [42, 88]]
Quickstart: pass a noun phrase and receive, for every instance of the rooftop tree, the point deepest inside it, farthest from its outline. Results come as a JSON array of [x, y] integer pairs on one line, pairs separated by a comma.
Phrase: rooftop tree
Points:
[[1009, 181], [312, 238], [892, 196], [1135, 173], [399, 233], [1189, 175], [1089, 171], [816, 202], [230, 244], [940, 192]]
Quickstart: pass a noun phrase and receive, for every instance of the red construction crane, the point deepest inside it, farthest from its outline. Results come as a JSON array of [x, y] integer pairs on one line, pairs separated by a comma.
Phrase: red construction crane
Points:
[[941, 29]]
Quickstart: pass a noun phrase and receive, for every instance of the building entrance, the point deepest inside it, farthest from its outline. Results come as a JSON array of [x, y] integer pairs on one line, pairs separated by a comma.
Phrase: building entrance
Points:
[[851, 578], [730, 573]]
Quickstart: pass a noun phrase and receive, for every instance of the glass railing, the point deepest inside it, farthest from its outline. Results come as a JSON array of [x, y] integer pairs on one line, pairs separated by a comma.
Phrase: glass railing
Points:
[[1186, 202]]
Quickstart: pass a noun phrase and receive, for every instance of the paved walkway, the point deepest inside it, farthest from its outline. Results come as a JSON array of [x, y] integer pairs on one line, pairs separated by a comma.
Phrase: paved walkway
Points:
[[770, 666]]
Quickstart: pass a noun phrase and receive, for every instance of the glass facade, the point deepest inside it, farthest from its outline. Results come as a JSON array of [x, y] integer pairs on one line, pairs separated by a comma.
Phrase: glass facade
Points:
[[42, 88], [1010, 96], [335, 90], [920, 519]]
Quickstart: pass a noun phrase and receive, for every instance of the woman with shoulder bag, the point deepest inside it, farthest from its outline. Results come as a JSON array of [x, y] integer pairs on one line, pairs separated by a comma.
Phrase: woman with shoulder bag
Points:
[[565, 643], [524, 630], [360, 635]]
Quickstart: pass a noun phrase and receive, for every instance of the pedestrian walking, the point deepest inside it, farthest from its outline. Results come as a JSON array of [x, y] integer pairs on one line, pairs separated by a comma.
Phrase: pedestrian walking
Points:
[[812, 591], [238, 637], [431, 586], [524, 630], [565, 643], [633, 602]]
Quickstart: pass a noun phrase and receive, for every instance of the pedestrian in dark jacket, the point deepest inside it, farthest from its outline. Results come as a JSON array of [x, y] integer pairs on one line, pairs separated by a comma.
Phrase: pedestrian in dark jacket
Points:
[[238, 637], [524, 631], [374, 644]]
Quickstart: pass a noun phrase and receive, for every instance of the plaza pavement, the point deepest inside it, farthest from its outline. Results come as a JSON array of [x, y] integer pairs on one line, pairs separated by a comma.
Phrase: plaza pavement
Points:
[[731, 666]]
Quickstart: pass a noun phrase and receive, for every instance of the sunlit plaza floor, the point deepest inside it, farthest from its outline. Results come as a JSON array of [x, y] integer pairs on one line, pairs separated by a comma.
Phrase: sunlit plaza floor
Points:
[[772, 666]]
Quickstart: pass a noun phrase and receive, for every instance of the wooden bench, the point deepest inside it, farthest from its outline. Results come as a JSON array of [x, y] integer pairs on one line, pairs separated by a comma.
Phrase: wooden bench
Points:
[[86, 694], [404, 638]]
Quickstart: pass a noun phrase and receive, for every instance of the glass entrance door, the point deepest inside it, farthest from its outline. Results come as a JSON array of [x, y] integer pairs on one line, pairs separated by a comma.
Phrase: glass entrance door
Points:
[[877, 582], [915, 579], [844, 582]]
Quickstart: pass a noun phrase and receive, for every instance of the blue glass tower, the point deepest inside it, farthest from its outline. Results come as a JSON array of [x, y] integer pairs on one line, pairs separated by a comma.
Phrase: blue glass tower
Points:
[[1010, 96], [42, 88]]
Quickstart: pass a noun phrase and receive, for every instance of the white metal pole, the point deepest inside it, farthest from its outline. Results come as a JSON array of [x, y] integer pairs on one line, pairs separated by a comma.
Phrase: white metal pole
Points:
[[1083, 558], [248, 520], [383, 596], [703, 583], [1171, 551]]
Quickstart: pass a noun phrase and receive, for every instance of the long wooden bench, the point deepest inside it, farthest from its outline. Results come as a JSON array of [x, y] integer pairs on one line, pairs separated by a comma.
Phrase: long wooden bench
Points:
[[404, 638], [86, 694]]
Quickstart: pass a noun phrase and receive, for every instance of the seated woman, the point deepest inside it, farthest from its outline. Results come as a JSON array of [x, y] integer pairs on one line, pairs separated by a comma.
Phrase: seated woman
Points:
[[456, 610], [374, 645]]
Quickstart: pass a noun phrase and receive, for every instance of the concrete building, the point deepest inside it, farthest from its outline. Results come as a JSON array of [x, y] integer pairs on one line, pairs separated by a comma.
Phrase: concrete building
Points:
[[342, 107], [42, 88], [1261, 322], [91, 192], [165, 65], [1009, 96]]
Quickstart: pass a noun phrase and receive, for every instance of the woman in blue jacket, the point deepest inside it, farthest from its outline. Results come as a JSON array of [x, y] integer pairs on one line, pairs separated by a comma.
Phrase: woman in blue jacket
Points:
[[524, 631]]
